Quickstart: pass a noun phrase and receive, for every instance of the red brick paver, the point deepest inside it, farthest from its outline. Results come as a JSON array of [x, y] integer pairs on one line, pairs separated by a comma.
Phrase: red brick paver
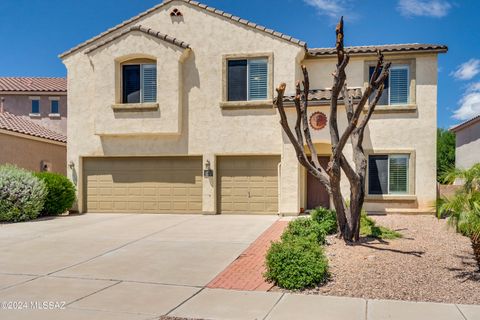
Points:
[[246, 272]]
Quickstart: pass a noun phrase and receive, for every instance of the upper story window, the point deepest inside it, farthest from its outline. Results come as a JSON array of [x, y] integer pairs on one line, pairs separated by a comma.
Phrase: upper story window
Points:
[[139, 83], [397, 84], [35, 106], [388, 174], [247, 79], [54, 107]]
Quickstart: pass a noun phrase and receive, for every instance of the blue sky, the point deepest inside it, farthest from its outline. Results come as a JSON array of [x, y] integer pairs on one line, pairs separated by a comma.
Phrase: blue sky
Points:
[[34, 32]]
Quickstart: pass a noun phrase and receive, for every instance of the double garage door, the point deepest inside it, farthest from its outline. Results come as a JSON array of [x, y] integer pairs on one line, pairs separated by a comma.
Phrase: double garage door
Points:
[[174, 184]]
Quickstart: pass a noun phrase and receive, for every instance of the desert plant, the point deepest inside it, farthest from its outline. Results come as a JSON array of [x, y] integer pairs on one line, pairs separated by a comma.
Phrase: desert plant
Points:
[[463, 209], [326, 218], [304, 228], [296, 264], [60, 193], [369, 228], [22, 195]]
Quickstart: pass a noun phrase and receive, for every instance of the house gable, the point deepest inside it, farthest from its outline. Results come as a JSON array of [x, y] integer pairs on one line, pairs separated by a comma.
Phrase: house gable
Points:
[[193, 4]]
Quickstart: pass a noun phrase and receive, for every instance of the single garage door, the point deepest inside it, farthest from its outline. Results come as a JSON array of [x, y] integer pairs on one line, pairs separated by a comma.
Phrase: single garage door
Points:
[[248, 184], [143, 185]]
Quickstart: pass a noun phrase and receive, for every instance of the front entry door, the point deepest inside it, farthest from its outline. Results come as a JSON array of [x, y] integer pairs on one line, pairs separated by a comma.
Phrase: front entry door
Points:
[[317, 195]]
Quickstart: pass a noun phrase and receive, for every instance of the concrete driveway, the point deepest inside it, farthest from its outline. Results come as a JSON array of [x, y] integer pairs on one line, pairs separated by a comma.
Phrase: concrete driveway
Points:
[[109, 266]]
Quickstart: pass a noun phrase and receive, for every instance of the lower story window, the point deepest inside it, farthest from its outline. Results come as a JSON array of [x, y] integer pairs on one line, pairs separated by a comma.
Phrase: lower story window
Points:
[[388, 174]]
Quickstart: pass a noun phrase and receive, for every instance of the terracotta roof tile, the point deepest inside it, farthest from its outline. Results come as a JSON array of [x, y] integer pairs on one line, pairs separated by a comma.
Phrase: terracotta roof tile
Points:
[[145, 30], [191, 2], [33, 84], [323, 96], [14, 123], [384, 48]]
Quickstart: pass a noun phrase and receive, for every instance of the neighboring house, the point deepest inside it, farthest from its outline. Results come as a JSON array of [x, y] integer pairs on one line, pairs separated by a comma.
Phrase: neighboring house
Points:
[[172, 111], [41, 100], [467, 138], [29, 145]]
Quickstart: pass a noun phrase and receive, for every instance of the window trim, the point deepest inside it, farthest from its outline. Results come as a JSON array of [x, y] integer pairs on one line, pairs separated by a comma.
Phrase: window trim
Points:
[[136, 62], [261, 103], [411, 106], [411, 193]]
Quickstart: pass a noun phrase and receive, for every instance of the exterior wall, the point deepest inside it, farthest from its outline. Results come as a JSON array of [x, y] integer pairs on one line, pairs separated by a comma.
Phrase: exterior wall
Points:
[[21, 105], [206, 129], [29, 153], [467, 146], [411, 131], [193, 81]]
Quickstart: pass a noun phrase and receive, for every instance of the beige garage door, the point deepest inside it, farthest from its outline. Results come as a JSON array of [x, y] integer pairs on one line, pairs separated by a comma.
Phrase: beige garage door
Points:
[[248, 184], [143, 185]]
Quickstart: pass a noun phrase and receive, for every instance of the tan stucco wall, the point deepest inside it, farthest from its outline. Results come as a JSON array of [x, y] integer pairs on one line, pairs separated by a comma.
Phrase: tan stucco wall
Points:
[[29, 154], [413, 130], [206, 129], [21, 105], [467, 152], [192, 82]]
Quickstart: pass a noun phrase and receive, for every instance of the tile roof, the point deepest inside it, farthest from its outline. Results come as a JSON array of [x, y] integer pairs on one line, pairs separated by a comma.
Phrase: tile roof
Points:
[[145, 30], [18, 124], [464, 124], [323, 96], [198, 5], [33, 84], [387, 48]]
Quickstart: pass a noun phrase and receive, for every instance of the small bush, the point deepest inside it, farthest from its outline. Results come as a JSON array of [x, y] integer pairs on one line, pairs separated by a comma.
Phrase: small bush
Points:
[[326, 218], [305, 228], [22, 195], [296, 264], [60, 193], [369, 228]]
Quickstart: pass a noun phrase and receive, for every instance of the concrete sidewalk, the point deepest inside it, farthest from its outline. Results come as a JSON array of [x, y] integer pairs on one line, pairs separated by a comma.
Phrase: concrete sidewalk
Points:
[[229, 304]]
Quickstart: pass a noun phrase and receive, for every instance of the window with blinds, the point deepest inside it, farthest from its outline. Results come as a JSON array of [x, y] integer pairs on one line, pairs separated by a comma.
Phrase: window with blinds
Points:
[[388, 174], [399, 85], [247, 79], [139, 83], [398, 174], [396, 86]]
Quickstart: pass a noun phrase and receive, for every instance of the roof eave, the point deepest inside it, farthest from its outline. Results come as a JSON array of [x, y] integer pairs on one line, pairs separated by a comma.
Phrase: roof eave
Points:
[[313, 55]]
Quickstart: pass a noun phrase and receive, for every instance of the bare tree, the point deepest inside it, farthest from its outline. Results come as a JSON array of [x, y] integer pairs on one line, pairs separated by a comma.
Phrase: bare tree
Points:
[[358, 114]]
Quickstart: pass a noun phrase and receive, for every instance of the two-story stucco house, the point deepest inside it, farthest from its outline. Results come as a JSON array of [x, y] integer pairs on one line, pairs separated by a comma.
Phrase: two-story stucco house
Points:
[[172, 111]]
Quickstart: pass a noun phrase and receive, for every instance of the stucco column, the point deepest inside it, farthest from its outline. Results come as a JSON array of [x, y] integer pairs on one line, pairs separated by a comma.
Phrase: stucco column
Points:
[[209, 186], [289, 182]]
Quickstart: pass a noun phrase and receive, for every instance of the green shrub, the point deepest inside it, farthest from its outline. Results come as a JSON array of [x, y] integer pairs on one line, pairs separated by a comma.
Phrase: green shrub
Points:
[[296, 264], [326, 218], [369, 228], [22, 195], [304, 228], [60, 193]]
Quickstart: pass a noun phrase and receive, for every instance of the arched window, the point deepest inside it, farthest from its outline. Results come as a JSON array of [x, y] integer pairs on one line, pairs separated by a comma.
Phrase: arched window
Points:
[[139, 81]]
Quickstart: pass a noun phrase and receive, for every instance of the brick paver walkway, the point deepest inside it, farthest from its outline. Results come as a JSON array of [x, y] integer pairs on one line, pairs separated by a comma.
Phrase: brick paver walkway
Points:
[[246, 272]]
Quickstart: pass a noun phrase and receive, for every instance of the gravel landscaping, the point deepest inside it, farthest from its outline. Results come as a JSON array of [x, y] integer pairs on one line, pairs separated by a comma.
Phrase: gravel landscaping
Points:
[[430, 263]]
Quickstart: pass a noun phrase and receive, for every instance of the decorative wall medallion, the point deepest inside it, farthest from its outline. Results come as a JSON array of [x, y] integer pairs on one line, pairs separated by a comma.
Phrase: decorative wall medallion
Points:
[[318, 120]]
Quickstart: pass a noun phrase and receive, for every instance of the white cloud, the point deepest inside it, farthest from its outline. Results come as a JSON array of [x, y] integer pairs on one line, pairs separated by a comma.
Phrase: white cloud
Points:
[[427, 8], [467, 70], [331, 8], [469, 103]]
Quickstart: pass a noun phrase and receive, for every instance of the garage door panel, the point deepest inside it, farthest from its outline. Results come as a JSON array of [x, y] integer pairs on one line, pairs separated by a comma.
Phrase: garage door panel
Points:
[[153, 185], [248, 184]]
